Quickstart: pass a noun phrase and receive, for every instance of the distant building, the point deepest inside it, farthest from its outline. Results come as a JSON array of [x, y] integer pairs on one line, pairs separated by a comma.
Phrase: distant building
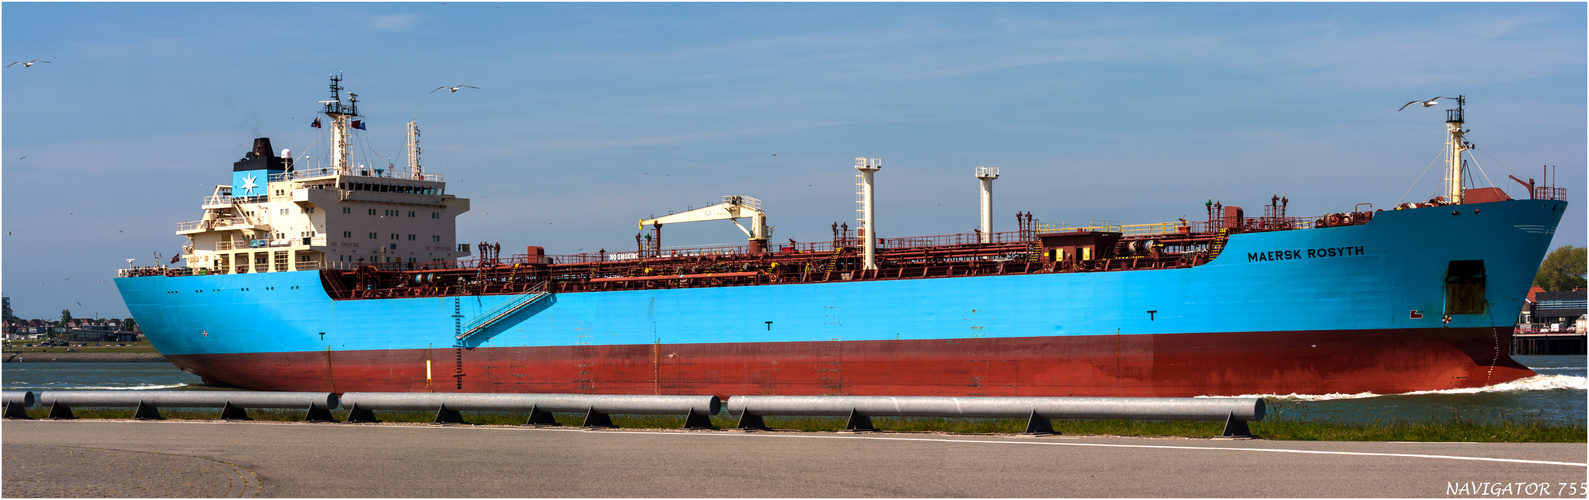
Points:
[[1560, 310], [1552, 323]]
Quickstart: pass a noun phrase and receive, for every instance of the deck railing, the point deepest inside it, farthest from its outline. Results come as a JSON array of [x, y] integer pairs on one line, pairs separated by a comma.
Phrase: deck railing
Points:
[[212, 223], [355, 172]]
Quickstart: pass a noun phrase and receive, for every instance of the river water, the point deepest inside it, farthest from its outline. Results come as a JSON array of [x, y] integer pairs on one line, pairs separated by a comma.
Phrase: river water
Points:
[[1559, 394]]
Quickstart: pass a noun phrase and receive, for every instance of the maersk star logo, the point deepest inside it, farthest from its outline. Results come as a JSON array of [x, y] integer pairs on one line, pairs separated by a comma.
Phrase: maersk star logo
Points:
[[249, 185]]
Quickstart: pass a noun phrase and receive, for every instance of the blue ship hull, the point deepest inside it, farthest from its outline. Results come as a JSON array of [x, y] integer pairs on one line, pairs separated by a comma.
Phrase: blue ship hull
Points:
[[1337, 309]]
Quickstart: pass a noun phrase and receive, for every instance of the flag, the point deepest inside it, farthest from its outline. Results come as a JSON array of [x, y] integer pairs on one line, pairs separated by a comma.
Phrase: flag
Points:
[[175, 257], [358, 124], [316, 123]]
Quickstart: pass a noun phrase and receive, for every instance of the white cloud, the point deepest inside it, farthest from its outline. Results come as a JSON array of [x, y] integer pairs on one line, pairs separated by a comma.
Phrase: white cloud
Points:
[[394, 22]]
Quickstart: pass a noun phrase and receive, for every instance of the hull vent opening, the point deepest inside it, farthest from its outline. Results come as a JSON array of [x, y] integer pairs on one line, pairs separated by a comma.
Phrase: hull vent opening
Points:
[[1465, 287]]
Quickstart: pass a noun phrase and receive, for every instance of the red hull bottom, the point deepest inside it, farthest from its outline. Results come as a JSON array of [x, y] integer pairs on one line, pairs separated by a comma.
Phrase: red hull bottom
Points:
[[1215, 364]]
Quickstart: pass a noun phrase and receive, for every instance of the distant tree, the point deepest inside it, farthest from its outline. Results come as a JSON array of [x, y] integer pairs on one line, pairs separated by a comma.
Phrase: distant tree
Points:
[[129, 325], [66, 317], [1563, 270]]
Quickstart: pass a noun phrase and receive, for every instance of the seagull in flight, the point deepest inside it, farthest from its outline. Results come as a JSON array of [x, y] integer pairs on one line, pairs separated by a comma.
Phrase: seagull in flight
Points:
[[1425, 104], [454, 89], [27, 64]]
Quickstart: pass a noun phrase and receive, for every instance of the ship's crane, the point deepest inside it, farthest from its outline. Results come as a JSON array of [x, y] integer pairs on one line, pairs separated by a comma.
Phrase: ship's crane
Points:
[[732, 208]]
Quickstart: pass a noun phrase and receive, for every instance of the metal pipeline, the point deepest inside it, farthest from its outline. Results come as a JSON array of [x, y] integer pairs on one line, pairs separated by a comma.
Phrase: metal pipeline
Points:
[[606, 404], [189, 399], [23, 398], [1242, 409]]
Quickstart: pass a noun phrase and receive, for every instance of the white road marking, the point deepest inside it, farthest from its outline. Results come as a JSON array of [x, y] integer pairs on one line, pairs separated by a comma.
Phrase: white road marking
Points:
[[1147, 446]]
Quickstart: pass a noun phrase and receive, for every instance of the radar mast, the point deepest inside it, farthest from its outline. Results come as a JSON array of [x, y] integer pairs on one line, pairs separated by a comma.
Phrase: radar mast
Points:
[[340, 114]]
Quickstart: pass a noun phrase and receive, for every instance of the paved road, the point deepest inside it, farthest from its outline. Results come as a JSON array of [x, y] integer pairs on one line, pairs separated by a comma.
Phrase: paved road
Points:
[[214, 458]]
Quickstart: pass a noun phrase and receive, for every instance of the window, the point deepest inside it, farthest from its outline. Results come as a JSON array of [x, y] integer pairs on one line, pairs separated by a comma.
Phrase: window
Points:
[[347, 234], [1562, 304], [372, 211], [410, 213], [395, 236], [435, 238], [347, 210], [372, 236], [435, 215], [410, 237]]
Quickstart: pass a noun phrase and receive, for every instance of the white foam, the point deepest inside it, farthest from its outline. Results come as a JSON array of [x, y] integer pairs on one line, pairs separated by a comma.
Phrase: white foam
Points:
[[1561, 369], [1534, 383]]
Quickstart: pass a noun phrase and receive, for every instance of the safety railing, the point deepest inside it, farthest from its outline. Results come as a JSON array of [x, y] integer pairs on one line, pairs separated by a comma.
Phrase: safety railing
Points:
[[213, 223], [1550, 193], [310, 173]]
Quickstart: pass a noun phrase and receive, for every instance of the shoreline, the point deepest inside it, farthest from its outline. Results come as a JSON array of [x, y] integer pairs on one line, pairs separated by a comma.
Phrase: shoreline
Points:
[[84, 357]]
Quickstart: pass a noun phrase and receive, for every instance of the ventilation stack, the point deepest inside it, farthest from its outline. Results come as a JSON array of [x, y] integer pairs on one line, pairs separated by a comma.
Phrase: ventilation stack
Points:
[[865, 210], [986, 175]]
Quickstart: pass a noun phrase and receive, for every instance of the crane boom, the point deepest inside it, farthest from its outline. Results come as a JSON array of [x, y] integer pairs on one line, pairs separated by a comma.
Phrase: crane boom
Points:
[[731, 209]]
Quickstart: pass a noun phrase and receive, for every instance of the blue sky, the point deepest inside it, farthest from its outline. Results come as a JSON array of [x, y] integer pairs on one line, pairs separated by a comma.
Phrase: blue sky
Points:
[[591, 116]]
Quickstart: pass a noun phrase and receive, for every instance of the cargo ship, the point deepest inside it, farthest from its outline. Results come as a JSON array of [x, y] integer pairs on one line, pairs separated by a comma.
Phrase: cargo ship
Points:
[[340, 277]]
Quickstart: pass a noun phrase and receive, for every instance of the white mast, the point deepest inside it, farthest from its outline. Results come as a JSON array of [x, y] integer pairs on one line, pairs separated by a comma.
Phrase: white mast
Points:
[[1454, 148], [413, 149], [867, 166], [986, 175], [339, 114]]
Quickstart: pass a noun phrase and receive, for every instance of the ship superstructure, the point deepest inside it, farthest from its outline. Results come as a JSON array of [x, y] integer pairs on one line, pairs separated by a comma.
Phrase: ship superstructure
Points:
[[334, 297], [277, 216]]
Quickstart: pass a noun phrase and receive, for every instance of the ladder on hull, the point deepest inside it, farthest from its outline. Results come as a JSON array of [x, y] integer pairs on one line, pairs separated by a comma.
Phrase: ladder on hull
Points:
[[496, 314], [1219, 244]]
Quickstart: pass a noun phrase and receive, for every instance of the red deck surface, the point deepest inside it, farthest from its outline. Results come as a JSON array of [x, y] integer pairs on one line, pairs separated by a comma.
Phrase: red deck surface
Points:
[[1218, 364]]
